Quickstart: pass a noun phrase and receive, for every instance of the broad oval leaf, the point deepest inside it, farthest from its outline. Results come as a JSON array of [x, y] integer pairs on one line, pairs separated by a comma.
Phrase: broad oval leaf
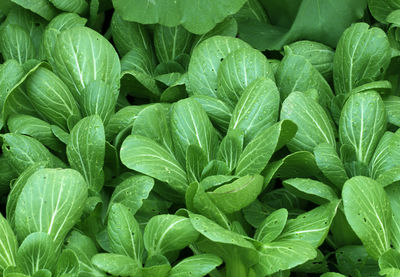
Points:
[[124, 233], [8, 245], [15, 43], [386, 155], [86, 150], [67, 264], [52, 202], [235, 196], [148, 157], [314, 125], [362, 123], [205, 62], [115, 264], [257, 108], [272, 226], [368, 212], [238, 70], [190, 125], [362, 54], [81, 56], [230, 148], [36, 252], [165, 233], [195, 16], [196, 266], [45, 87]]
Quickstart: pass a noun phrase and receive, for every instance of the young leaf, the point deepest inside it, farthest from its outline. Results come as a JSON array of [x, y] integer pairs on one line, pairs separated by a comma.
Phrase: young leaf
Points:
[[238, 70], [257, 109], [361, 56], [67, 264], [314, 126], [196, 266], [52, 201], [230, 148], [124, 233], [196, 161], [362, 123], [272, 226], [368, 212], [146, 156], [86, 150], [165, 233]]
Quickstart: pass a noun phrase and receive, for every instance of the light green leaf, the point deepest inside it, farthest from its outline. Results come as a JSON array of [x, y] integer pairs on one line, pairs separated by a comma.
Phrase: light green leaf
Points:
[[8, 245], [311, 227], [230, 148], [195, 266], [205, 62], [74, 6], [146, 156], [15, 43], [190, 126], [296, 73], [282, 255], [235, 196], [310, 190], [393, 194], [258, 152], [22, 151], [124, 233], [67, 264], [238, 70], [165, 233], [132, 191], [386, 155], [380, 9], [389, 262], [52, 201], [330, 164], [44, 87], [272, 226], [368, 212], [37, 251], [40, 7], [392, 105], [314, 126], [362, 123], [362, 54], [196, 161], [195, 16], [82, 56], [116, 264], [257, 108], [86, 150]]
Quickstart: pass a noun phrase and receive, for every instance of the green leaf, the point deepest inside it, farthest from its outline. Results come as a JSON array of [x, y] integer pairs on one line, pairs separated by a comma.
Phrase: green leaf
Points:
[[132, 191], [314, 126], [332, 274], [393, 194], [146, 156], [258, 152], [230, 148], [272, 226], [296, 73], [205, 62], [282, 255], [152, 122], [392, 105], [8, 245], [196, 266], [165, 233], [124, 233], [51, 201], [15, 43], [86, 150], [330, 164], [310, 190], [67, 264], [74, 6], [129, 35], [362, 123], [190, 126], [257, 108], [196, 161], [37, 251], [40, 7], [235, 196], [311, 227], [196, 17], [354, 260], [22, 151], [238, 70], [82, 56], [386, 155], [116, 264], [98, 98], [171, 42], [389, 261], [381, 9], [361, 56], [368, 212]]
